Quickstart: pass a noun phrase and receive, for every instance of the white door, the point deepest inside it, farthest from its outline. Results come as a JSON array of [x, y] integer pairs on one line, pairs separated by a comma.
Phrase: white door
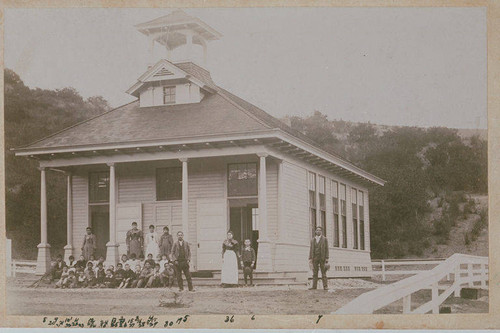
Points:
[[211, 219]]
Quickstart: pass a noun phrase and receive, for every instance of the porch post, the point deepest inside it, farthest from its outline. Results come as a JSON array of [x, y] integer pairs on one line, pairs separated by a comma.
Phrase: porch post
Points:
[[112, 246], [264, 259], [281, 204], [43, 260], [185, 196], [68, 249]]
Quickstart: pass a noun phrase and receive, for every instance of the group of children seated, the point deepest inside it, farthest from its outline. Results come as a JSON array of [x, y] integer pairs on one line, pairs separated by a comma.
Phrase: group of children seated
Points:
[[129, 273]]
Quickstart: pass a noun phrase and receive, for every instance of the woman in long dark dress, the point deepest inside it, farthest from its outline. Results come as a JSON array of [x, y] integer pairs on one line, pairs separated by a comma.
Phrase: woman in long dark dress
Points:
[[230, 254], [134, 240]]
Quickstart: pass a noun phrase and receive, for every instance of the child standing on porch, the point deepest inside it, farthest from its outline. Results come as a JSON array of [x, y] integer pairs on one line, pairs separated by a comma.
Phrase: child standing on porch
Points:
[[89, 244], [152, 242], [247, 261]]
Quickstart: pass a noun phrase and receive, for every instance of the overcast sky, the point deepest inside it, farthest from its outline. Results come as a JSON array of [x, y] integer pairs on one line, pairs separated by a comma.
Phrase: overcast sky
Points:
[[395, 66]]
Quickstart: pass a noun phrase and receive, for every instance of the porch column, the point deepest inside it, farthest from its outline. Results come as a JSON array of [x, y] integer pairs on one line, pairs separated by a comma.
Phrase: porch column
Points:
[[68, 249], [43, 260], [281, 204], [185, 198], [264, 259], [112, 246]]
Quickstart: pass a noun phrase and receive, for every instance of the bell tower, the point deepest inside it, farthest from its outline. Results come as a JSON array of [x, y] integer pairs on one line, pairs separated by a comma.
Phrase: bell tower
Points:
[[183, 37]]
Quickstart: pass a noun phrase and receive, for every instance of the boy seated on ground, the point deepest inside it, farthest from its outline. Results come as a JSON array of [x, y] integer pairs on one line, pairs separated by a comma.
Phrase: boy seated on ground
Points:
[[162, 262], [248, 261], [71, 281], [141, 260], [119, 274], [144, 276], [155, 279], [168, 274], [63, 278], [100, 261], [109, 279], [150, 260], [71, 262], [90, 277], [100, 275], [81, 281], [94, 261], [124, 259], [128, 275], [135, 280], [81, 264], [57, 269]]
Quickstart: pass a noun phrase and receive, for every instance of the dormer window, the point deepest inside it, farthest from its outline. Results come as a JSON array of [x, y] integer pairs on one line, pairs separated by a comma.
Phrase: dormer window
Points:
[[169, 95]]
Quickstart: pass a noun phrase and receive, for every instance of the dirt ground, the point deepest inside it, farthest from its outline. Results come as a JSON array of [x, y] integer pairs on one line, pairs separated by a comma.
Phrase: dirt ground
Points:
[[205, 300]]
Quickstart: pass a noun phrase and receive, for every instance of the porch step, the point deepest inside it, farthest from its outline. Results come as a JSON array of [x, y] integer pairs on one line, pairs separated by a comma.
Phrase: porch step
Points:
[[271, 275], [259, 281]]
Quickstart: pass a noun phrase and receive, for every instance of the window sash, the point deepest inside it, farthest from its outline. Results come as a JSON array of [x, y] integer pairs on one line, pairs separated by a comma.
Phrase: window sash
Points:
[[362, 234], [242, 179], [169, 183], [336, 231], [99, 186], [344, 231], [168, 95]]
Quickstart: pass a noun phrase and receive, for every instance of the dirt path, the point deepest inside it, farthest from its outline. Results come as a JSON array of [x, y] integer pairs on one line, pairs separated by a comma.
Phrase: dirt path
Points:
[[208, 300]]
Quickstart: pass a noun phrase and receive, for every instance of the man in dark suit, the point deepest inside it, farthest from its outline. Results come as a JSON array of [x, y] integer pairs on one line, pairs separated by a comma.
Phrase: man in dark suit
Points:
[[318, 257], [181, 255]]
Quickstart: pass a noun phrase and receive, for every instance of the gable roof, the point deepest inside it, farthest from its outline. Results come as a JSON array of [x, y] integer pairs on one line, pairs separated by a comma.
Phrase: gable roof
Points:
[[218, 113]]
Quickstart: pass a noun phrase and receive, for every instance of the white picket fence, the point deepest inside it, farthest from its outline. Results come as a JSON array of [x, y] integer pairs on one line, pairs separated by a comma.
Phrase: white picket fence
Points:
[[391, 267], [466, 270]]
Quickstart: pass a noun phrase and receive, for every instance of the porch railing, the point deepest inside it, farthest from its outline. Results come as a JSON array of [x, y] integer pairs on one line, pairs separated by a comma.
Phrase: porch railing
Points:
[[387, 267], [466, 270]]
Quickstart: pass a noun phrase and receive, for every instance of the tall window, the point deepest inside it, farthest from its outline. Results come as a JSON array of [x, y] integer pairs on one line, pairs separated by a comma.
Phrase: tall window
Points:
[[242, 179], [335, 201], [354, 201], [168, 95], [361, 220], [343, 207], [169, 183], [322, 203], [99, 187], [312, 202]]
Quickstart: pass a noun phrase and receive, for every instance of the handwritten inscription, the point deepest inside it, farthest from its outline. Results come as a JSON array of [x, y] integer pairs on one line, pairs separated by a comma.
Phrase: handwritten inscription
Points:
[[138, 322]]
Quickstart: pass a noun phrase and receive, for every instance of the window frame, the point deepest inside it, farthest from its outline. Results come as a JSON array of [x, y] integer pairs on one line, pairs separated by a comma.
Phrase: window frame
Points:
[[335, 213], [361, 216], [158, 184], [343, 213], [244, 195], [92, 188], [174, 94], [355, 218]]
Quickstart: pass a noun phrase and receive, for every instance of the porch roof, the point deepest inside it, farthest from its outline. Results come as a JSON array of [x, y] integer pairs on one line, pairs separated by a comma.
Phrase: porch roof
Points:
[[220, 116]]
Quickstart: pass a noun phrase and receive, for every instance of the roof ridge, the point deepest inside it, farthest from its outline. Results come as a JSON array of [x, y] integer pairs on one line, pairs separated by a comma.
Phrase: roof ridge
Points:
[[74, 125]]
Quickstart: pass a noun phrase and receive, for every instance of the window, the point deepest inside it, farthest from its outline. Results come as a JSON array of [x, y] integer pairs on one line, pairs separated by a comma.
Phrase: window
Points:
[[361, 220], [169, 183], [168, 95], [335, 201], [322, 203], [354, 202], [242, 179], [312, 202], [342, 195], [99, 187]]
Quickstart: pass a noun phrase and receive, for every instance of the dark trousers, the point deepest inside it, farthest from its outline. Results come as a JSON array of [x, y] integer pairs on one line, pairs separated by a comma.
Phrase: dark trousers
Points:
[[248, 271], [183, 266], [317, 265]]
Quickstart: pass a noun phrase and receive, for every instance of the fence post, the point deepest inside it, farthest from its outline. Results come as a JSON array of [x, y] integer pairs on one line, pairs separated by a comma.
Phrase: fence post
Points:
[[483, 276], [457, 282], [435, 304], [8, 257], [383, 270], [407, 304], [14, 266], [470, 275]]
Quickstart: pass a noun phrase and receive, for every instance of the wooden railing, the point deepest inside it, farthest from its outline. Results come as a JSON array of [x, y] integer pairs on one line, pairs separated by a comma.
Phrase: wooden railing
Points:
[[380, 267], [23, 266], [476, 270]]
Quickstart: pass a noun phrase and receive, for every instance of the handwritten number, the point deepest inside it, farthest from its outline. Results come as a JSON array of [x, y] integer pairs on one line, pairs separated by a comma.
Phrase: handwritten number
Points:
[[229, 319], [253, 317], [319, 318]]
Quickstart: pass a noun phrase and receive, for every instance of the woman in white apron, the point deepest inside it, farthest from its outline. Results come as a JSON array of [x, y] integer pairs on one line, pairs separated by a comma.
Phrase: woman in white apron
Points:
[[230, 253], [152, 243]]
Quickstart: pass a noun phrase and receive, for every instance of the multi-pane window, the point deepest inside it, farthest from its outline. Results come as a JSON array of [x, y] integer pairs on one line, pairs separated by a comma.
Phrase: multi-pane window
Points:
[[322, 202], [312, 202], [335, 201], [361, 220], [354, 198], [169, 183], [342, 194], [242, 179], [99, 187], [168, 95]]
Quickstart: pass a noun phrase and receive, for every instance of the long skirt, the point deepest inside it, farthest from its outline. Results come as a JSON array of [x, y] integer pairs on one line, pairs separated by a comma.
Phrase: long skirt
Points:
[[135, 247], [229, 274]]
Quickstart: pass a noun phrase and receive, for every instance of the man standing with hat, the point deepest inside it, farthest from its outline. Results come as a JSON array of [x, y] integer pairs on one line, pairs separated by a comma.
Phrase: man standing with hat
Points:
[[318, 258]]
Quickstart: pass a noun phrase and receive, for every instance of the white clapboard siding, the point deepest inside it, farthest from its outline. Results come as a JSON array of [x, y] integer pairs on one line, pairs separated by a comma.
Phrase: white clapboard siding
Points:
[[80, 211], [136, 187], [126, 213], [296, 210], [211, 215]]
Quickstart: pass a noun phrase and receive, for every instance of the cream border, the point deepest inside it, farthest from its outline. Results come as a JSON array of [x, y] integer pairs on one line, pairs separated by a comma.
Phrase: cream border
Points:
[[451, 321]]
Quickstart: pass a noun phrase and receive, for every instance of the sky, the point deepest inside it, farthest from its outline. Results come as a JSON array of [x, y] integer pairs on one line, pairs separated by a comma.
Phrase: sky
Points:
[[393, 66]]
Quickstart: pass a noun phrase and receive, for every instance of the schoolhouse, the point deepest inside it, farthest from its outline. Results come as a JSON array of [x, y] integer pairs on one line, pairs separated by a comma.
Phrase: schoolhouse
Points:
[[190, 155]]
